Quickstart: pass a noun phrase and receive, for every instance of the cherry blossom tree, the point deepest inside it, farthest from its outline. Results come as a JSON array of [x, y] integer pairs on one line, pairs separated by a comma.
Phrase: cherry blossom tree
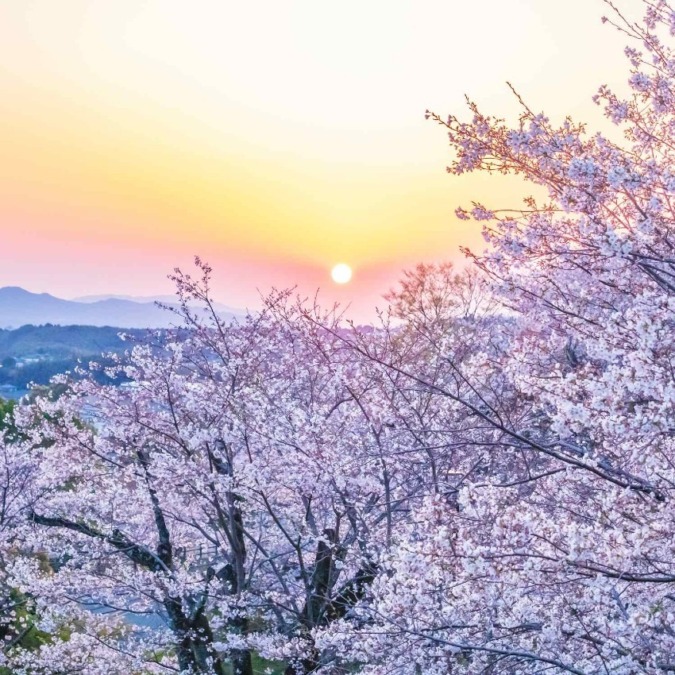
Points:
[[234, 496], [37, 635], [560, 554]]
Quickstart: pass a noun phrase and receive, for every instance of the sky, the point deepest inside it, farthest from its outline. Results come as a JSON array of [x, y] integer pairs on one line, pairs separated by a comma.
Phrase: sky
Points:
[[274, 139]]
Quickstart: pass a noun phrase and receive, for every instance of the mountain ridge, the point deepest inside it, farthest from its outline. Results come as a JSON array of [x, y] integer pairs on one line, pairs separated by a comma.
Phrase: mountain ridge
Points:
[[164, 299], [19, 307]]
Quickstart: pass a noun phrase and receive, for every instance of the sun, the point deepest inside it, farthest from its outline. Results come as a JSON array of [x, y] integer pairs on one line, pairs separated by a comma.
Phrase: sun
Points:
[[341, 273]]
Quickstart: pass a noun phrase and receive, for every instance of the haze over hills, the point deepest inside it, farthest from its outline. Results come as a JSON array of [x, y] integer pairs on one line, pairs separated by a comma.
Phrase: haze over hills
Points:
[[164, 299], [19, 307]]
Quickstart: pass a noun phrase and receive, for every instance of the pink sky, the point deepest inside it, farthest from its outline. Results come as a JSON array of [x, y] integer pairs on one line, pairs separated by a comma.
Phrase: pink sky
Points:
[[274, 139]]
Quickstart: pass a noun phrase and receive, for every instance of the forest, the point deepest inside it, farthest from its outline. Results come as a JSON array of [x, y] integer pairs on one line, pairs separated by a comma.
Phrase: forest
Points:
[[32, 355], [482, 481]]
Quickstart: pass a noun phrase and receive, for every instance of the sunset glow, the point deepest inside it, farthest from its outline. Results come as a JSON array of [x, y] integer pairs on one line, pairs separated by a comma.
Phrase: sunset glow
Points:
[[341, 273], [136, 135]]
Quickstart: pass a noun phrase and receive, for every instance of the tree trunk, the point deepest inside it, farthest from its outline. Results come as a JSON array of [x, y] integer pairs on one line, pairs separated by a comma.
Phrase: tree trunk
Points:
[[241, 658], [194, 641], [304, 667], [233, 574]]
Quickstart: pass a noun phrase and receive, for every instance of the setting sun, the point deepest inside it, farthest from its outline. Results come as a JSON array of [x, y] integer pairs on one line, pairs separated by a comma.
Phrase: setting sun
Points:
[[341, 273]]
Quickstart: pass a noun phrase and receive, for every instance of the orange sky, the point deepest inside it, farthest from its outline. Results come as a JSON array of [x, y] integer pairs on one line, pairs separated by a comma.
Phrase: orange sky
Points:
[[274, 138]]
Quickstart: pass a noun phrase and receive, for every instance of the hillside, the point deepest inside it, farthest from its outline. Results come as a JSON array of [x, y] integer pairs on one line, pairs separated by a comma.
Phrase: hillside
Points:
[[58, 342], [34, 354], [19, 307]]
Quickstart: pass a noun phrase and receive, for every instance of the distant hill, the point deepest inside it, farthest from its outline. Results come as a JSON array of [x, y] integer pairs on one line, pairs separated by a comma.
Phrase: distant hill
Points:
[[19, 307], [34, 354], [164, 299], [63, 342]]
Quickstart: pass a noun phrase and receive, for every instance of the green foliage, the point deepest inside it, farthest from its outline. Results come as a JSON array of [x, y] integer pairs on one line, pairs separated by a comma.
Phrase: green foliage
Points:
[[8, 428], [6, 413], [263, 666], [21, 632]]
